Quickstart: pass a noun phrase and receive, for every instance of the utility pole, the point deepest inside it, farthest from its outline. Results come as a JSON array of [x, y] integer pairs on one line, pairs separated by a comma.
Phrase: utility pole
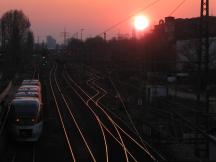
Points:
[[3, 41], [81, 32], [38, 40], [75, 35], [104, 36], [65, 34], [202, 148]]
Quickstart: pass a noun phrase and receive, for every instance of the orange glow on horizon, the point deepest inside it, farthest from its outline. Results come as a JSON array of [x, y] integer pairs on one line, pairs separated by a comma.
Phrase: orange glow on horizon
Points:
[[50, 17]]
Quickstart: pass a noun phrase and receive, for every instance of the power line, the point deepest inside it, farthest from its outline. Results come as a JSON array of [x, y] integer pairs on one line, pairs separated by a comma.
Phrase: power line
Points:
[[126, 19], [179, 5]]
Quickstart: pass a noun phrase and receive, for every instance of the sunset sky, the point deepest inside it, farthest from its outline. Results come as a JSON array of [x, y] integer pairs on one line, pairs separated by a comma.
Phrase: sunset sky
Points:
[[50, 17]]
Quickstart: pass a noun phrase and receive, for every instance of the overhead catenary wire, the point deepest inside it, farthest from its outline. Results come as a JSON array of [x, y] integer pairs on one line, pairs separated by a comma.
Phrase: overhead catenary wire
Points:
[[179, 5], [126, 19]]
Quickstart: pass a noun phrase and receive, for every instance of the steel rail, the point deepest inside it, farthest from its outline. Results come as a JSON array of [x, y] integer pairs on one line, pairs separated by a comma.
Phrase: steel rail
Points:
[[129, 116], [96, 101], [60, 116], [131, 120], [96, 116], [97, 92], [38, 77], [4, 121], [97, 119], [123, 104], [118, 141], [75, 122], [125, 150], [33, 76], [113, 123], [33, 155], [111, 120], [14, 157], [132, 139], [103, 95], [105, 141]]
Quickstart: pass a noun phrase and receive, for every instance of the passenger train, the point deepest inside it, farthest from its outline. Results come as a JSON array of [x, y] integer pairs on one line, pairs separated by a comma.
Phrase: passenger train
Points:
[[26, 112], [31, 82], [28, 94]]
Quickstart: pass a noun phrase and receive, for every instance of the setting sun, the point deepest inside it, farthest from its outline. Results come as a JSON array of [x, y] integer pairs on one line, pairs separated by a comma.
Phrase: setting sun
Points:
[[141, 22]]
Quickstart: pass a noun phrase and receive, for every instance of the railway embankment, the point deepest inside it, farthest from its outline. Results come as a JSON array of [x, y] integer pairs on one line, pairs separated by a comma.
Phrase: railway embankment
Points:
[[4, 100]]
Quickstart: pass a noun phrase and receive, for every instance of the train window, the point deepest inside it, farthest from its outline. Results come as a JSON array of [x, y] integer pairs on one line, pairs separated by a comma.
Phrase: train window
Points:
[[27, 109]]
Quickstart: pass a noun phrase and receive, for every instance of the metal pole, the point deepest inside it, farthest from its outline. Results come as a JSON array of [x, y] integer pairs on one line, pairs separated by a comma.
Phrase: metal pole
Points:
[[203, 77], [104, 36], [81, 32]]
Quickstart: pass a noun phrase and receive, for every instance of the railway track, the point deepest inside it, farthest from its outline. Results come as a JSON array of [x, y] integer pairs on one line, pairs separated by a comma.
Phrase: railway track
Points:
[[90, 133], [36, 74], [180, 116], [83, 136], [24, 153], [136, 132], [129, 142], [122, 151]]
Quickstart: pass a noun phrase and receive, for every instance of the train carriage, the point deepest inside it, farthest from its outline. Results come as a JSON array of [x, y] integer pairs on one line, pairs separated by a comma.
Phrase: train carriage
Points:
[[29, 89], [26, 119], [26, 112], [31, 83], [28, 94]]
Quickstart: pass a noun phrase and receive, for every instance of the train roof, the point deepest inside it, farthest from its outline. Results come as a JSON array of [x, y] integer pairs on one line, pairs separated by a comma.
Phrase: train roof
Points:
[[31, 80], [27, 92], [31, 83], [25, 100], [30, 86], [27, 95]]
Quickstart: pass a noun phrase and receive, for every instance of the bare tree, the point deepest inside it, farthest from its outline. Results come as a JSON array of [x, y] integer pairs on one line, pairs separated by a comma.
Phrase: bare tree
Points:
[[28, 46], [15, 26]]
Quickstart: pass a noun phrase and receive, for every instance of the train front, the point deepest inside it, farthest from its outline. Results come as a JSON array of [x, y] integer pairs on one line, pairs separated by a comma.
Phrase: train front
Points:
[[25, 119]]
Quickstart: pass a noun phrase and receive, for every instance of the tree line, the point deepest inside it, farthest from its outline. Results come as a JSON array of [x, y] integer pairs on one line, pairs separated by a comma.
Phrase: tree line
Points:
[[151, 53], [16, 39]]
